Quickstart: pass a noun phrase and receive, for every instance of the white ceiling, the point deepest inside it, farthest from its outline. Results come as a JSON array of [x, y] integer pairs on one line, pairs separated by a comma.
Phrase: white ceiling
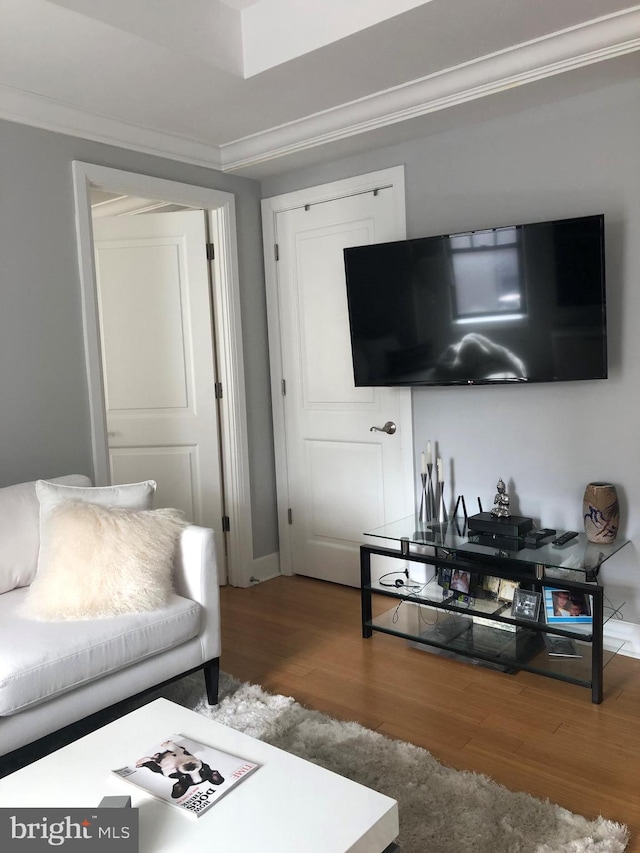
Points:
[[259, 86]]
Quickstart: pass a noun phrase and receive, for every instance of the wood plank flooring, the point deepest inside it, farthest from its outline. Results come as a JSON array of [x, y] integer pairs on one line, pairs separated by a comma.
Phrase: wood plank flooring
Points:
[[301, 637]]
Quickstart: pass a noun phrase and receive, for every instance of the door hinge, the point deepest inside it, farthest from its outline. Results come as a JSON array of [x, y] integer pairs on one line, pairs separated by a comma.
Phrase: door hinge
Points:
[[290, 515], [283, 386], [276, 252], [226, 525], [218, 390], [211, 252]]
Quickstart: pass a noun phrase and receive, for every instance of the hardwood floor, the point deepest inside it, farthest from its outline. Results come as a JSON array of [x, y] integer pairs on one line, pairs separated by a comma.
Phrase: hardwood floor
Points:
[[301, 637]]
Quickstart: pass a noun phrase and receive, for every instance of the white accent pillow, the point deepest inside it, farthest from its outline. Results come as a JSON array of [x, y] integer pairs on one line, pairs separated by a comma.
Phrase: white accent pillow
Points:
[[103, 561], [127, 496], [20, 531]]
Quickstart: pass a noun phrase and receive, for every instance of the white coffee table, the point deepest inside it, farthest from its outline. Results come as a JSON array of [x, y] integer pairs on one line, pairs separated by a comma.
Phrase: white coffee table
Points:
[[286, 806]]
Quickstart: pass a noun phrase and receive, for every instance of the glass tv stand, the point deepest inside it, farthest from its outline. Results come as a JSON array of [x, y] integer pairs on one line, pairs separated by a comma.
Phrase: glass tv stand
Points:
[[536, 609]]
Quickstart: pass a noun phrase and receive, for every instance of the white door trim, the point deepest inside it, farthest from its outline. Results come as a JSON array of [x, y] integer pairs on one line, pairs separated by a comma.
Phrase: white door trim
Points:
[[228, 338], [270, 209]]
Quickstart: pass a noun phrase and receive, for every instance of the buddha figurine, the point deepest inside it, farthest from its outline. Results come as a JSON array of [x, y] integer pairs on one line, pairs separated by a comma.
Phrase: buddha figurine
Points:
[[501, 501]]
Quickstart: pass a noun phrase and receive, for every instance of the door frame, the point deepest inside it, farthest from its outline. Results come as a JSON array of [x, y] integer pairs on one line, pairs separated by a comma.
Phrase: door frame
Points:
[[271, 207], [236, 559]]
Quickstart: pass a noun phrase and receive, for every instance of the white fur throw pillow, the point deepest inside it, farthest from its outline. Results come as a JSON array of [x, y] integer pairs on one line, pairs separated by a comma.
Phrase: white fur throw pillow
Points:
[[103, 561]]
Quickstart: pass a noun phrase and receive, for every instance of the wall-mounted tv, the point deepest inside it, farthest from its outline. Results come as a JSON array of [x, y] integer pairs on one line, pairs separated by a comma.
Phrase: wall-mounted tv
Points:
[[522, 303]]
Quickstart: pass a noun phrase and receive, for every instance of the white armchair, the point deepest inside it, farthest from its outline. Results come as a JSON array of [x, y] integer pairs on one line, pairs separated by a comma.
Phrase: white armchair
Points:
[[55, 673]]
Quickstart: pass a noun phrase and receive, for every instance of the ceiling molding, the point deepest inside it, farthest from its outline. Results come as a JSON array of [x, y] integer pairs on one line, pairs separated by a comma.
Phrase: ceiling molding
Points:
[[51, 114], [577, 47], [596, 41]]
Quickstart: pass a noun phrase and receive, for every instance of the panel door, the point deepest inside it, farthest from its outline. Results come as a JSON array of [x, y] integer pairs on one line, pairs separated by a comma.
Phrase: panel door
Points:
[[343, 478], [158, 358]]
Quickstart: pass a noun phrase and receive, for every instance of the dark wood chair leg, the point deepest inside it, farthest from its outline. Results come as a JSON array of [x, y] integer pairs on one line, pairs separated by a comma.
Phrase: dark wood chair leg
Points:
[[211, 679]]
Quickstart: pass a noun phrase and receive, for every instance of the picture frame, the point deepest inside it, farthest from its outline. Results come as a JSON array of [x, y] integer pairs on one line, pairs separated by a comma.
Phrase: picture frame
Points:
[[458, 584], [461, 581], [491, 584], [567, 607], [526, 604], [507, 589], [444, 577]]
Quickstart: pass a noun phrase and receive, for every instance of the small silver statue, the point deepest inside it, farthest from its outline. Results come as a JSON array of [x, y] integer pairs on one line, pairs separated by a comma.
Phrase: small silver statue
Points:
[[501, 501]]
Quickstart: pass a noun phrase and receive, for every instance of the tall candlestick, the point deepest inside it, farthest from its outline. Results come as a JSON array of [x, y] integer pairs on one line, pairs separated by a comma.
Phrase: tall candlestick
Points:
[[428, 508], [439, 468]]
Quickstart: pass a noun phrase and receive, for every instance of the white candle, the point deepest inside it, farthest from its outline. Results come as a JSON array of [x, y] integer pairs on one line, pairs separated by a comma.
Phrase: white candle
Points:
[[429, 456], [439, 468], [424, 463]]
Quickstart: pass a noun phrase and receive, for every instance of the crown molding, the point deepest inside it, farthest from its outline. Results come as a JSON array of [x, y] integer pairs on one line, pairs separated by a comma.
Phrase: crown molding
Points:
[[567, 50], [51, 114]]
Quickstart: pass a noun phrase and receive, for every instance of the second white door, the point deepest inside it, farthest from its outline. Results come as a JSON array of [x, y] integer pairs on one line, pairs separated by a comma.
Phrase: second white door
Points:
[[158, 359]]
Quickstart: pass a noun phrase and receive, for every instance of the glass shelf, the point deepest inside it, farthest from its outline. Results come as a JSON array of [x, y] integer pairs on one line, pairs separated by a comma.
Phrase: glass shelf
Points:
[[433, 595], [512, 650], [479, 626], [578, 556]]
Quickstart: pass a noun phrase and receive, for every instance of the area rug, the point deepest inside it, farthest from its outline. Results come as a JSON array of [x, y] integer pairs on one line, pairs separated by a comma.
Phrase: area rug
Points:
[[441, 810]]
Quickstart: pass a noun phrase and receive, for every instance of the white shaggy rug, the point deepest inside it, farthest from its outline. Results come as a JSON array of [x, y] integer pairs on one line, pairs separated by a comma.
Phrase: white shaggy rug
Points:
[[441, 810]]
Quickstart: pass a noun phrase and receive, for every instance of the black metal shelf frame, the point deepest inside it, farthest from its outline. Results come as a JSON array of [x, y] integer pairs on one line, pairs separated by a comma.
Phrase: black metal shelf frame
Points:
[[497, 566]]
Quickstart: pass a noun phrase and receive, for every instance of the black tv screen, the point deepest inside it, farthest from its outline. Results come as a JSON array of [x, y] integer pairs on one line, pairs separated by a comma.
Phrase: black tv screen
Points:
[[523, 303]]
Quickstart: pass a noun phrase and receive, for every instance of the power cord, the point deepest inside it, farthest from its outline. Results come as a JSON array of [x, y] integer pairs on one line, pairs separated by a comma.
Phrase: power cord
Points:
[[413, 591], [616, 612]]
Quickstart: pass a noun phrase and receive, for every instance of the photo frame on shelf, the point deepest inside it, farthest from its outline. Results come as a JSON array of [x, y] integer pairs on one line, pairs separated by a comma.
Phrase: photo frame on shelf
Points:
[[567, 607], [458, 584], [462, 581], [491, 584], [463, 585], [507, 589], [444, 577], [526, 604]]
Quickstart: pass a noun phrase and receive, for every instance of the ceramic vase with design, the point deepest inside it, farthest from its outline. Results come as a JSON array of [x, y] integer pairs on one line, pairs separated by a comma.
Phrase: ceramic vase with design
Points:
[[601, 512]]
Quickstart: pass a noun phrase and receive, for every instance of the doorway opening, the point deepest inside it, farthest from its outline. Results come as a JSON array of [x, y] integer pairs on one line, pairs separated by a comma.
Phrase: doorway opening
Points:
[[133, 194]]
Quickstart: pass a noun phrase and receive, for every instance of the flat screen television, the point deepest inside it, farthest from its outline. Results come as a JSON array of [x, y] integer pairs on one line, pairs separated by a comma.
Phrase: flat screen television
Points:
[[518, 304]]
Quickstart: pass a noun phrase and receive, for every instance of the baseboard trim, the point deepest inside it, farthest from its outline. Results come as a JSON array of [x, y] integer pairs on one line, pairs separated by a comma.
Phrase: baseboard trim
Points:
[[628, 633]]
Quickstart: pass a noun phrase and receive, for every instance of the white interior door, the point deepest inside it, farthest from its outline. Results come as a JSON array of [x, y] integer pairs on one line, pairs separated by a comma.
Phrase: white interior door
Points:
[[342, 478], [158, 358]]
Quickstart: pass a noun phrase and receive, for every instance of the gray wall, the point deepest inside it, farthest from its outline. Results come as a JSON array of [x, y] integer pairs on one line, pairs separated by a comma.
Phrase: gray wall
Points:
[[44, 426], [570, 158]]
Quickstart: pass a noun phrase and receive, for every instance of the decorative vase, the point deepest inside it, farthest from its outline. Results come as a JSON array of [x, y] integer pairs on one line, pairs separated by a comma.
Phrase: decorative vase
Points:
[[601, 512]]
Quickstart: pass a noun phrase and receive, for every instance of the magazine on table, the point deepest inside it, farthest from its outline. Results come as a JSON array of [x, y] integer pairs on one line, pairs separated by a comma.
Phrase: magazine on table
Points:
[[187, 774]]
